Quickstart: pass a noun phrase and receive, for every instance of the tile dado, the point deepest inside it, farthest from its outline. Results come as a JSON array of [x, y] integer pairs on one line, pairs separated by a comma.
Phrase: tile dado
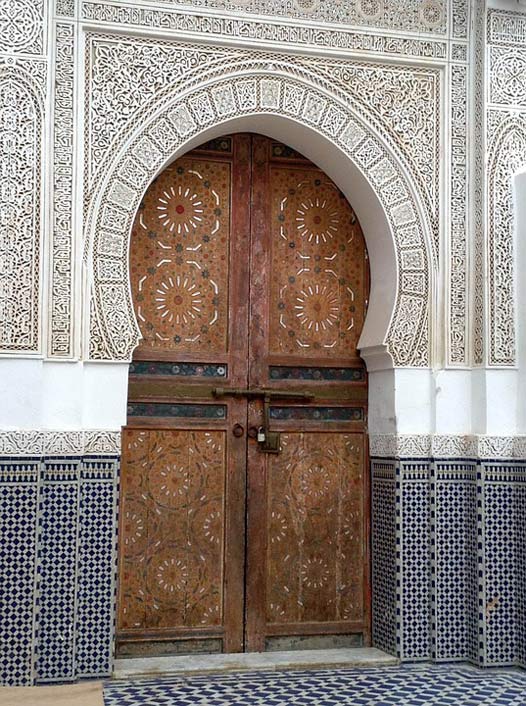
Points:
[[456, 589], [448, 558], [58, 553]]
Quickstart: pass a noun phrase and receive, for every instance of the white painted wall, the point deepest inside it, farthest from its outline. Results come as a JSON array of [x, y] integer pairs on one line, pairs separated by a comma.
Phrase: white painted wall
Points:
[[38, 394]]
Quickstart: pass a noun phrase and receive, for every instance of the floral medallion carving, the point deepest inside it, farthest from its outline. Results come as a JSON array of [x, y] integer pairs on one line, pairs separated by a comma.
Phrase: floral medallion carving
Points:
[[21, 26], [508, 76]]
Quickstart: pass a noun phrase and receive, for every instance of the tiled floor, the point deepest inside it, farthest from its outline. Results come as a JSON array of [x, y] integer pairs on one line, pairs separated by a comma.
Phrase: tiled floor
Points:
[[444, 685]]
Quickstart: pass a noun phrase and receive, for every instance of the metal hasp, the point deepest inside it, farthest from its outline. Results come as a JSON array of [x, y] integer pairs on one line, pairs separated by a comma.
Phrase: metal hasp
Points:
[[269, 441]]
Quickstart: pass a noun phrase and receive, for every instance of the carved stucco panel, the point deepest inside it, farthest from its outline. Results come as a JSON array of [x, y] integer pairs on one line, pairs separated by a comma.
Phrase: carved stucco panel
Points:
[[506, 145], [458, 221], [114, 332], [130, 79], [506, 28], [21, 135], [508, 76], [22, 26], [60, 340], [60, 443], [507, 155], [407, 15], [478, 162], [243, 28], [439, 446]]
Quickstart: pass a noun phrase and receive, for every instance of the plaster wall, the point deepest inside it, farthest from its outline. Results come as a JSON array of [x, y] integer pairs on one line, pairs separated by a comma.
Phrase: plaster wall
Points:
[[47, 395]]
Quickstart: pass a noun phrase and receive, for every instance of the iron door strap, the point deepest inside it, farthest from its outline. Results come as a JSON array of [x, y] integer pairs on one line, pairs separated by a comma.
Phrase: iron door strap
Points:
[[269, 441]]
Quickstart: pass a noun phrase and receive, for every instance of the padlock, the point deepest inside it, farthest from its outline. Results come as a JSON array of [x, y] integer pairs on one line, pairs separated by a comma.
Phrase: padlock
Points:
[[261, 435]]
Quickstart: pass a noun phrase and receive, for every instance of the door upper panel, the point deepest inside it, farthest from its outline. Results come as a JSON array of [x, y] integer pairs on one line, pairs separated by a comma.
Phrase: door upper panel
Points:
[[179, 258], [318, 267], [310, 274]]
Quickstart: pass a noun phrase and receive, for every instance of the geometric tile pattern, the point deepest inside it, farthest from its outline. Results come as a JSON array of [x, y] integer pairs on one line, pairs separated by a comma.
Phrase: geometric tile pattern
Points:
[[96, 568], [520, 544], [454, 544], [18, 515], [57, 558], [57, 541], [449, 563], [415, 559], [403, 686], [383, 549], [460, 560], [500, 607], [502, 523]]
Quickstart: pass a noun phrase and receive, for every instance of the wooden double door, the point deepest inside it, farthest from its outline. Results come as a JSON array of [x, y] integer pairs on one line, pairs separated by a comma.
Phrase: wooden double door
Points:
[[244, 488]]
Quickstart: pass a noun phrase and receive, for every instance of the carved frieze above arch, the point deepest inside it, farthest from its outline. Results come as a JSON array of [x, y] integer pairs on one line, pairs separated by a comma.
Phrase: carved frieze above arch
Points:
[[422, 16], [130, 79], [164, 134], [243, 28]]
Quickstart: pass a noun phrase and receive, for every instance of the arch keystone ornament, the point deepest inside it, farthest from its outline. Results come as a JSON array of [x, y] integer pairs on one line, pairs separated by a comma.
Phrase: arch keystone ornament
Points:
[[254, 101]]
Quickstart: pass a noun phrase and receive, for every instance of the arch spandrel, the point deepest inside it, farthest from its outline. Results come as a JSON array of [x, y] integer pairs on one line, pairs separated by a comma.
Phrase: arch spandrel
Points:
[[327, 132]]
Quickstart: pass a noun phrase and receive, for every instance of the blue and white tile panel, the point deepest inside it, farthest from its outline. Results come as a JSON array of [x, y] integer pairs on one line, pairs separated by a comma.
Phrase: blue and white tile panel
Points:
[[384, 548], [460, 590], [19, 482], [58, 555], [449, 563]]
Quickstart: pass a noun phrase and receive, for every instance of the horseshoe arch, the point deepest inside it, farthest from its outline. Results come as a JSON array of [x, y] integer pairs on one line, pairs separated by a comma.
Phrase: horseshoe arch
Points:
[[325, 129]]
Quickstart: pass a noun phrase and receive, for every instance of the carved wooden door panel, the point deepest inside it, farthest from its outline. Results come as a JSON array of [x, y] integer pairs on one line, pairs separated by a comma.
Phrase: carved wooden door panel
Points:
[[307, 569], [182, 512], [249, 272]]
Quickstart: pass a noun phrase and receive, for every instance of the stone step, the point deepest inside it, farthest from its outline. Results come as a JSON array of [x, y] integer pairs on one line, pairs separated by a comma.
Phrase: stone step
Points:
[[136, 668]]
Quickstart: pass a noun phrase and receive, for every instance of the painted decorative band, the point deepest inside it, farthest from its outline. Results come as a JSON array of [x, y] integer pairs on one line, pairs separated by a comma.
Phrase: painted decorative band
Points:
[[219, 144], [207, 370], [162, 409], [325, 414], [284, 372]]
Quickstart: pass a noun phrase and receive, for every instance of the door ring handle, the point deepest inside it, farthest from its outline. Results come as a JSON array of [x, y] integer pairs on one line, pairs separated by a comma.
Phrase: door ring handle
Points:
[[238, 431]]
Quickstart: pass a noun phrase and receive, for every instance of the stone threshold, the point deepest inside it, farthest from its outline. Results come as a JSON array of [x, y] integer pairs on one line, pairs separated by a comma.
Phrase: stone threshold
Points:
[[147, 667]]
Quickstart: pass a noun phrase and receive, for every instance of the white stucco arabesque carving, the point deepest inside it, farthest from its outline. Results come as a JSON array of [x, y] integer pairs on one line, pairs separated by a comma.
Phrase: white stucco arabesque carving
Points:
[[472, 446], [32, 442], [247, 100]]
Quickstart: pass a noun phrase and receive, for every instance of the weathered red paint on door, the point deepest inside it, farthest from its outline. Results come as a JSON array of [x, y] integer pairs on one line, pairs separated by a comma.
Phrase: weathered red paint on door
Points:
[[249, 271]]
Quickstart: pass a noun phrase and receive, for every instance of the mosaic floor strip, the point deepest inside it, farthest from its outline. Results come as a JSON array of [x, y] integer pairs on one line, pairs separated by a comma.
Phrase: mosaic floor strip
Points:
[[444, 685]]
